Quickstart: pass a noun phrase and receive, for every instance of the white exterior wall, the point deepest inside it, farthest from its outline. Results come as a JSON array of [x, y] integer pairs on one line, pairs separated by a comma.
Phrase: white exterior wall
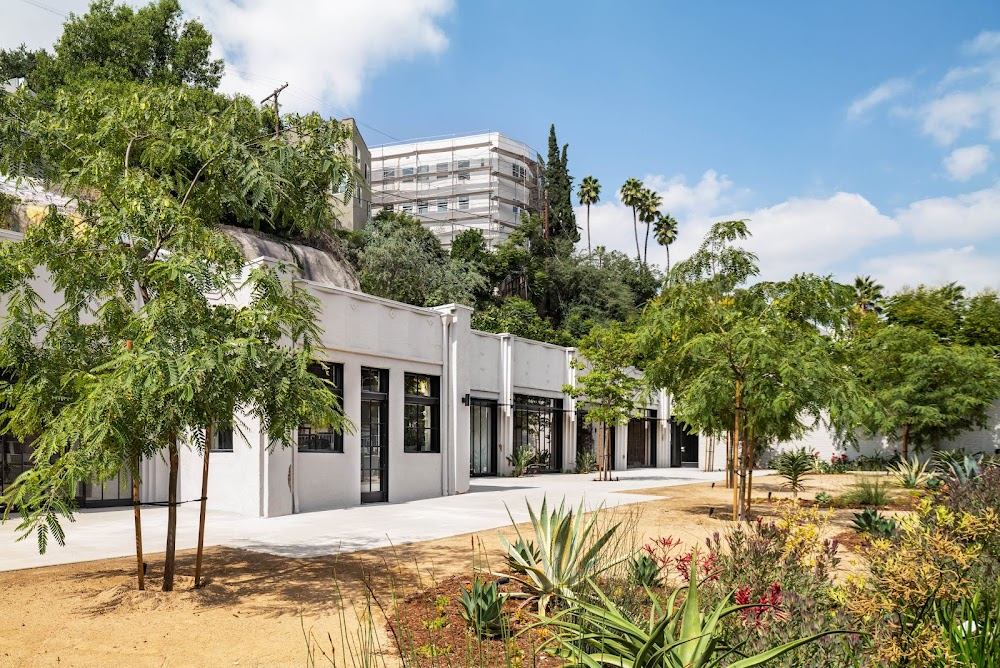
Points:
[[821, 440]]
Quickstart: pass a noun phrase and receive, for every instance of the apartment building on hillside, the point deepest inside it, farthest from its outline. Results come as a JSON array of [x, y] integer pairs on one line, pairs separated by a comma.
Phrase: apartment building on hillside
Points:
[[479, 181], [354, 212]]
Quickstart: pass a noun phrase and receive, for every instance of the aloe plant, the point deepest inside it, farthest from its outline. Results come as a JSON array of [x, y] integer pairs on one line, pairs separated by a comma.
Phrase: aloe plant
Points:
[[591, 635], [568, 552]]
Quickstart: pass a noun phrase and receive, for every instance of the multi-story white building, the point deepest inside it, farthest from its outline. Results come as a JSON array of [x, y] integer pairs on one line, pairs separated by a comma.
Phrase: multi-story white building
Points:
[[480, 181]]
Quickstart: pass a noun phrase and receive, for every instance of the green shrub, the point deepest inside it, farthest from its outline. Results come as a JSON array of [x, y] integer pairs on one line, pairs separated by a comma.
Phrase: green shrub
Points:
[[586, 462], [674, 635], [972, 627], [824, 497], [867, 492], [520, 460]]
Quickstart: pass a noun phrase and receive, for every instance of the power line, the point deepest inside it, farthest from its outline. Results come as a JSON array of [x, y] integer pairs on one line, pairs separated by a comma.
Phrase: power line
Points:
[[44, 7]]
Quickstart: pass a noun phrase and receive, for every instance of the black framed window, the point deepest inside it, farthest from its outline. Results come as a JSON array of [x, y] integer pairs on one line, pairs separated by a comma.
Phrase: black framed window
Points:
[[421, 413], [222, 439], [316, 439], [538, 428]]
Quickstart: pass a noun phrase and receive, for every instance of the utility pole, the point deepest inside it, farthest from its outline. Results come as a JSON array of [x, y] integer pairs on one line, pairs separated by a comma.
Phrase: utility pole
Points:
[[277, 118]]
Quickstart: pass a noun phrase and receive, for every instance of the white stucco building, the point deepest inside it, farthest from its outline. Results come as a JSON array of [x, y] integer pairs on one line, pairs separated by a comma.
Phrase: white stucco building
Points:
[[479, 181]]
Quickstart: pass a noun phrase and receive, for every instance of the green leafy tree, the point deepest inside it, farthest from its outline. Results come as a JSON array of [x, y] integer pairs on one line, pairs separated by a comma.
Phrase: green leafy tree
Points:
[[752, 361], [665, 232], [114, 42], [18, 63], [589, 193], [163, 328], [470, 246], [518, 317], [631, 196], [649, 210], [398, 258], [981, 321], [611, 386], [937, 310], [925, 392]]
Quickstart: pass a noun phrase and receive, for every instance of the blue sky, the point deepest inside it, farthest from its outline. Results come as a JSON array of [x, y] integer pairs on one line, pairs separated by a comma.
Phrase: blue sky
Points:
[[857, 137]]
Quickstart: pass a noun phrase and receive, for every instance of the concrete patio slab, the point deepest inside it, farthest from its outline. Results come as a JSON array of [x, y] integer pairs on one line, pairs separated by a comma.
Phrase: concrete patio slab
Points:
[[106, 533]]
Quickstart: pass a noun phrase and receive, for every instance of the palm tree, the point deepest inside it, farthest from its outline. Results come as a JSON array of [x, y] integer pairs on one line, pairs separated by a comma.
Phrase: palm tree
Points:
[[631, 195], [589, 193], [868, 295], [665, 231], [649, 209]]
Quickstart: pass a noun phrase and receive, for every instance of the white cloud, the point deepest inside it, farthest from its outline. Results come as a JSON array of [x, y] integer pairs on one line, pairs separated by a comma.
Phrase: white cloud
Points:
[[882, 93], [815, 235], [987, 41], [843, 234], [964, 163], [798, 235], [325, 49], [947, 117], [34, 26], [967, 265], [966, 217]]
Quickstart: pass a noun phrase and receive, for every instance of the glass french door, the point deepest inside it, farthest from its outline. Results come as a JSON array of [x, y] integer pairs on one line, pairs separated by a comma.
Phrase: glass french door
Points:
[[483, 439], [374, 435]]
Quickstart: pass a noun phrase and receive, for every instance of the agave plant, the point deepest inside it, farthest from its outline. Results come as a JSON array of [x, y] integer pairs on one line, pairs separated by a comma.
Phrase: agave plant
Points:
[[643, 571], [590, 635], [568, 552], [482, 608], [911, 473], [873, 523]]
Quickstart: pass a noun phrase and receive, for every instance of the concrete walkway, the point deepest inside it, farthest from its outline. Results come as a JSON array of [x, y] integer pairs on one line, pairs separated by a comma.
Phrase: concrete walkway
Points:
[[105, 533]]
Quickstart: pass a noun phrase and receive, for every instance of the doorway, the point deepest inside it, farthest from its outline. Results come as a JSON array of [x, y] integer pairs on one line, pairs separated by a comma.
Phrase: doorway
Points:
[[483, 437], [683, 445], [374, 435]]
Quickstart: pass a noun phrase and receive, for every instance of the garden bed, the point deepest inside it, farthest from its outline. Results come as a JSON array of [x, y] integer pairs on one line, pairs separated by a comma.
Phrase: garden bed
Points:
[[429, 630]]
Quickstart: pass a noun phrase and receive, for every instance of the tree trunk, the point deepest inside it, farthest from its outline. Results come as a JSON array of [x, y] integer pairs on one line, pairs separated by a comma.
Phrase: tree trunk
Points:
[[748, 497], [139, 565], [607, 453], [635, 227], [736, 459], [668, 264], [168, 562], [906, 442], [588, 230], [645, 249], [204, 506], [600, 454], [729, 459]]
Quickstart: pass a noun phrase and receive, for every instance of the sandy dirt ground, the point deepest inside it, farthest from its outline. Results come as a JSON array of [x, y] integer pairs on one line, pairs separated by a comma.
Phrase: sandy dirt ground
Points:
[[255, 607]]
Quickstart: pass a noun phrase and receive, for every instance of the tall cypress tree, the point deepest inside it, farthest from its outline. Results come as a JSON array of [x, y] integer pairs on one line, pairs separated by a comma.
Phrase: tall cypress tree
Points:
[[559, 192]]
